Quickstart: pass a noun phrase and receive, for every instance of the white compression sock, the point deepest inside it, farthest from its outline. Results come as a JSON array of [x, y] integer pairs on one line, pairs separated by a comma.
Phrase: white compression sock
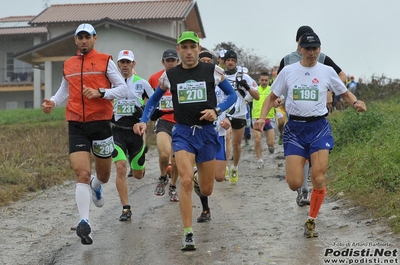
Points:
[[96, 183], [82, 196]]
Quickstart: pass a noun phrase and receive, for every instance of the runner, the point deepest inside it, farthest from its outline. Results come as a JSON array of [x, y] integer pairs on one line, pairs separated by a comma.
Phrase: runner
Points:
[[246, 88], [303, 194], [307, 134], [194, 139], [127, 112], [163, 128], [264, 89], [221, 126], [87, 82]]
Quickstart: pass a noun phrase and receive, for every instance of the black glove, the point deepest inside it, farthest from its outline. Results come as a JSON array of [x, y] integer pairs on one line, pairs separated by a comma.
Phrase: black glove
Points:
[[241, 92], [243, 84]]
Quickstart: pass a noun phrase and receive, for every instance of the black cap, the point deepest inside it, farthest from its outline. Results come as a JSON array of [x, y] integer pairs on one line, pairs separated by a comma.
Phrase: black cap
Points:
[[170, 54], [309, 40], [302, 30], [230, 54], [206, 54]]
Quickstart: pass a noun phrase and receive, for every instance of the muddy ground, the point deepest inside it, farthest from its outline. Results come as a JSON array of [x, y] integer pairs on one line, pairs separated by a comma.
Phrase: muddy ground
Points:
[[254, 222]]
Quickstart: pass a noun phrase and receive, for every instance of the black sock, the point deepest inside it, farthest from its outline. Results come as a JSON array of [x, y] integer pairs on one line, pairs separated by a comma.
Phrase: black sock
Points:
[[204, 203], [126, 206]]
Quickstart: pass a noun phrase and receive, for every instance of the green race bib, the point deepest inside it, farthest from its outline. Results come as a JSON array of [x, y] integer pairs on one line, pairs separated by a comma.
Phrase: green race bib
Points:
[[192, 92]]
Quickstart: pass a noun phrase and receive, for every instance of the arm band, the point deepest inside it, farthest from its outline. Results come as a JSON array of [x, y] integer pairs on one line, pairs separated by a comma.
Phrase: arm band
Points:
[[152, 104], [231, 96]]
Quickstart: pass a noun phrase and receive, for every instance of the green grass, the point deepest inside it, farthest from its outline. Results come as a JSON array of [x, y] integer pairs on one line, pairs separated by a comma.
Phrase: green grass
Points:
[[365, 163], [20, 116]]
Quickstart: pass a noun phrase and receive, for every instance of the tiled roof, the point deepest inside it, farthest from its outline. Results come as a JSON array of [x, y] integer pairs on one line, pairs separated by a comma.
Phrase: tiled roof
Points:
[[23, 30], [16, 19], [135, 10]]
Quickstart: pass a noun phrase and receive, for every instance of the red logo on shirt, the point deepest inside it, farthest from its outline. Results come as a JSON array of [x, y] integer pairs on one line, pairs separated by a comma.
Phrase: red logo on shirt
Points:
[[315, 81]]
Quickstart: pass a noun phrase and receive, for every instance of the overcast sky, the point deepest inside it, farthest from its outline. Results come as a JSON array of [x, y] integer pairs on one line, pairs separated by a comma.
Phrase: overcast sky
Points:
[[361, 36]]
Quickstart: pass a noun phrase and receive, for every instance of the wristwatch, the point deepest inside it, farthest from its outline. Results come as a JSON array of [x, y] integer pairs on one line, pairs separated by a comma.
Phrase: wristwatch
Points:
[[102, 92], [218, 111]]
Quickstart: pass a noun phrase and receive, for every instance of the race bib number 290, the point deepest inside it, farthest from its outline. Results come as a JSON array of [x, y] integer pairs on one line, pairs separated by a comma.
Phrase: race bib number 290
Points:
[[192, 92], [103, 148]]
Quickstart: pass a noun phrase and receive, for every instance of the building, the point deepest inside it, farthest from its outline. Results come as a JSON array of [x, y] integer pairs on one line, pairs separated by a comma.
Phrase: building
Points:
[[33, 48]]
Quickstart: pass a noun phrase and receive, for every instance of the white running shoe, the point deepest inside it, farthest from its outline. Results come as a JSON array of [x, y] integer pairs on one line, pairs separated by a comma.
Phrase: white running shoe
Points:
[[260, 163], [97, 195]]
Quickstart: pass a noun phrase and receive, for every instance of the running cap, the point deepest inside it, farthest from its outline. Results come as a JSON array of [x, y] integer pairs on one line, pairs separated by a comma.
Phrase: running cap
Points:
[[85, 28], [188, 35], [230, 54], [309, 40], [302, 30], [222, 53], [127, 55], [206, 54], [170, 54]]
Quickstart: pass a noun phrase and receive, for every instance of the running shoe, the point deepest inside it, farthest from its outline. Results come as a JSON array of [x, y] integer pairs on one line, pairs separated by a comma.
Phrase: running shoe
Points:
[[204, 217], [271, 149], [83, 230], [126, 215], [260, 163], [97, 195], [160, 188], [302, 198], [188, 242], [173, 195], [309, 229], [280, 141], [227, 173], [196, 186], [233, 176]]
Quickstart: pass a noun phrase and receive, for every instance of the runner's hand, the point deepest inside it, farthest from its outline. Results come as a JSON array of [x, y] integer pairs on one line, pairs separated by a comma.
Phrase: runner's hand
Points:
[[209, 115], [47, 105], [140, 128], [259, 125], [244, 84]]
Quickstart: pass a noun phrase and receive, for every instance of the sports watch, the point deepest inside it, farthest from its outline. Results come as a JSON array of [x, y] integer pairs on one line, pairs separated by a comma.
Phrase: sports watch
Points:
[[102, 92], [218, 111]]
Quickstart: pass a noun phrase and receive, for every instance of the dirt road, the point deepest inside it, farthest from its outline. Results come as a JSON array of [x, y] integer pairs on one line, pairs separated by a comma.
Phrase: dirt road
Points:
[[254, 222]]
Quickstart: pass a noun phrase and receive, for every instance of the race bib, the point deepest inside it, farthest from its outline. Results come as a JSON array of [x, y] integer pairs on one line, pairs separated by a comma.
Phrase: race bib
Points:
[[103, 148], [126, 106], [305, 94], [192, 92], [166, 103]]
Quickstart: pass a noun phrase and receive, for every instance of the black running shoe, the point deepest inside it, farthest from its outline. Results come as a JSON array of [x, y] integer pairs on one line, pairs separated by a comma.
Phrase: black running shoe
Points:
[[83, 230]]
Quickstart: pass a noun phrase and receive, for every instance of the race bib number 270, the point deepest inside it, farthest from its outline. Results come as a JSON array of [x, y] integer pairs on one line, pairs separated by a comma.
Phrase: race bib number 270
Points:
[[192, 92]]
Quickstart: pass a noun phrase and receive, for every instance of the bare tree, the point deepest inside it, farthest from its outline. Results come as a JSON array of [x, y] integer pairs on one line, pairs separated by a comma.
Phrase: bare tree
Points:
[[247, 58]]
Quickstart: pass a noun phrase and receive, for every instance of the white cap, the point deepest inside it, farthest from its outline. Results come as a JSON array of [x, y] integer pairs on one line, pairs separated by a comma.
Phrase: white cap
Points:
[[126, 54], [86, 28], [222, 53]]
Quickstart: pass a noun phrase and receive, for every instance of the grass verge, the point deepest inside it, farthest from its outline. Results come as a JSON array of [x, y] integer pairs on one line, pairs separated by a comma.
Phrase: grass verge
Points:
[[365, 163]]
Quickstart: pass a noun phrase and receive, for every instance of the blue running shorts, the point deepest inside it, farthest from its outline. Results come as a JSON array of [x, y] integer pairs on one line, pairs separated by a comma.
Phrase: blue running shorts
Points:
[[305, 138], [199, 140], [221, 155]]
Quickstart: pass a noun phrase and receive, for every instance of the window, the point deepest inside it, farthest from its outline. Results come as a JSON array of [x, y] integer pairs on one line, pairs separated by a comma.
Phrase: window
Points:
[[18, 71]]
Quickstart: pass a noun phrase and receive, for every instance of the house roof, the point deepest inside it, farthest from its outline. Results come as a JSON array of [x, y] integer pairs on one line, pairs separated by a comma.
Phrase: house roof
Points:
[[62, 47], [16, 25], [16, 19], [123, 11], [23, 30]]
